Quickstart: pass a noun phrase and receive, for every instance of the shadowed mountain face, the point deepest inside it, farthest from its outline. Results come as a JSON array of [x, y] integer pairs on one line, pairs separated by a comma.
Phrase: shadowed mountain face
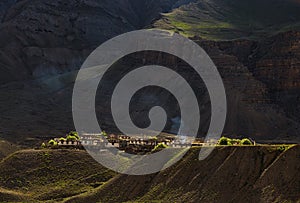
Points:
[[43, 44], [231, 19], [42, 38]]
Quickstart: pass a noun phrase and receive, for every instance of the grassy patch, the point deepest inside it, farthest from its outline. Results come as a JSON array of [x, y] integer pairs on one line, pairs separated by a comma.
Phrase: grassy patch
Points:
[[279, 148], [228, 20], [52, 174]]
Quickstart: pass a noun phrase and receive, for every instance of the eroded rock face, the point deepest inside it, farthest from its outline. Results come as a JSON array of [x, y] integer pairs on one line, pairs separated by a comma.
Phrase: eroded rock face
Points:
[[41, 38], [265, 75], [277, 64], [255, 107], [277, 61]]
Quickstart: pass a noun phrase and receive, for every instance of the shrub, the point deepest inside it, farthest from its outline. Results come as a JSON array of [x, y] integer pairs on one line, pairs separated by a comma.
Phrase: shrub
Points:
[[71, 138], [103, 133], [153, 138], [62, 139], [52, 143], [224, 141], [43, 145], [283, 148], [246, 142], [159, 147], [74, 134]]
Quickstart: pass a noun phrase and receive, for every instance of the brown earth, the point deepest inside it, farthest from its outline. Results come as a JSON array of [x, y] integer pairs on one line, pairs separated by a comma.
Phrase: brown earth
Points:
[[229, 174], [7, 148]]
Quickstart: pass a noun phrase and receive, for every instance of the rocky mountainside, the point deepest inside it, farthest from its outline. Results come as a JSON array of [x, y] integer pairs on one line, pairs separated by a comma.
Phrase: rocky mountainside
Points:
[[42, 38], [43, 44], [265, 79]]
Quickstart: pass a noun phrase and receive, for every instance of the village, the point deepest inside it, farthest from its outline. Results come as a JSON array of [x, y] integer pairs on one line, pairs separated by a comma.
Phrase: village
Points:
[[138, 144]]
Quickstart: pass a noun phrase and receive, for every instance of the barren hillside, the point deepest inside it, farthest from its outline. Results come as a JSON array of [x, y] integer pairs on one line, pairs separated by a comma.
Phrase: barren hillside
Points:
[[229, 174]]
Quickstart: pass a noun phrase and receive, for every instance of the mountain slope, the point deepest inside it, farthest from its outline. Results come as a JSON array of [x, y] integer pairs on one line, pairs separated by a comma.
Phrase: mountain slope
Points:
[[43, 175], [230, 174], [42, 45], [7, 148], [231, 19], [259, 92], [41, 38]]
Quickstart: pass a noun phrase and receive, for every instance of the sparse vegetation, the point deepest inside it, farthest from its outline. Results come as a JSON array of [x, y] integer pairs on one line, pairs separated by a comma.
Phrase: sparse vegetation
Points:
[[52, 143], [214, 20], [224, 141], [62, 139], [103, 133], [283, 148], [159, 147], [237, 142], [246, 142], [43, 145], [51, 175], [169, 185], [73, 134], [71, 138], [58, 175]]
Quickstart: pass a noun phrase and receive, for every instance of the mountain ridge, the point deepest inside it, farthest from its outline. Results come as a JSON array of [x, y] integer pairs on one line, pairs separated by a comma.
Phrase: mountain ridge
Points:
[[43, 44]]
